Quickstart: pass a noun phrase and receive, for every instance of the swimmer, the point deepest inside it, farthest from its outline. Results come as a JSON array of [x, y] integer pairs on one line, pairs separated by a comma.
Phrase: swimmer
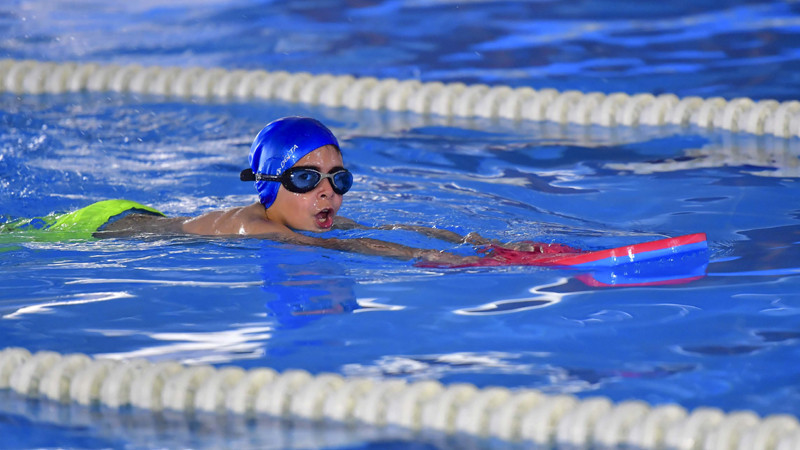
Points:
[[300, 176]]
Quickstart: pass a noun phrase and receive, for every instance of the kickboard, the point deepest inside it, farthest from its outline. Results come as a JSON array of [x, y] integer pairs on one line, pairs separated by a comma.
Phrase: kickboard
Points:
[[646, 251], [557, 255]]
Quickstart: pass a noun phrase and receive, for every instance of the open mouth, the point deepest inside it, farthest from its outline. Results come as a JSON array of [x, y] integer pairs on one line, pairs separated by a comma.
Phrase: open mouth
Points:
[[324, 218]]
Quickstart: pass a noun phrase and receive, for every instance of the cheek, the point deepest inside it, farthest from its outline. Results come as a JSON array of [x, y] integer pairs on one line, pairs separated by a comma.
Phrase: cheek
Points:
[[303, 202], [293, 203]]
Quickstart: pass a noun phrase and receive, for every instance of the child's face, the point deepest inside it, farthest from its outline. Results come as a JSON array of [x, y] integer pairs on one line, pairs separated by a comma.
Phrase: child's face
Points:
[[313, 210]]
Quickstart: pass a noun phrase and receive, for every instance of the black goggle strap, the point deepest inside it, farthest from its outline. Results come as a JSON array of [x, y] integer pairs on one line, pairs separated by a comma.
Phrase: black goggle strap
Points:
[[248, 175]]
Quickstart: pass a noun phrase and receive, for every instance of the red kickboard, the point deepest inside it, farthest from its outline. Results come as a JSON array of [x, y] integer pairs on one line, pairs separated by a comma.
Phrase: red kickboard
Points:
[[557, 255], [633, 253]]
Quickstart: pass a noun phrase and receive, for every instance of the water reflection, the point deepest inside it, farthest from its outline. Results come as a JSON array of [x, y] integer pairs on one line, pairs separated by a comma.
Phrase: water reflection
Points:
[[76, 299], [103, 427], [541, 299], [300, 292], [303, 287], [205, 347], [671, 270], [435, 366], [764, 252], [771, 157]]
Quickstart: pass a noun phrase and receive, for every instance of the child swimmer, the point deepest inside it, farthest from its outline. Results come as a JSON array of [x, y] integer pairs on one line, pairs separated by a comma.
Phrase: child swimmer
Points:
[[298, 170]]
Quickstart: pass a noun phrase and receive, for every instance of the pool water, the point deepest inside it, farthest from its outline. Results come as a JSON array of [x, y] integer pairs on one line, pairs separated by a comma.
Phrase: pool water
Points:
[[727, 340]]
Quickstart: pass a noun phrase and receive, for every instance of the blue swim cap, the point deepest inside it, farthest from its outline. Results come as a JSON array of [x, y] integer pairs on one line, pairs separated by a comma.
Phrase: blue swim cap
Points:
[[280, 144]]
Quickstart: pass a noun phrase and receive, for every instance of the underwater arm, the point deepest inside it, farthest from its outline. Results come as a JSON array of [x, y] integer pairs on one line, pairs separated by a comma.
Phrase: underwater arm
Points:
[[471, 238], [343, 223], [476, 239], [137, 224], [376, 247]]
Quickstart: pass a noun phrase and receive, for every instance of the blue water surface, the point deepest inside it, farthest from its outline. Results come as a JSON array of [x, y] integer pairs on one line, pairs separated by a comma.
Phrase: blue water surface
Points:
[[729, 339]]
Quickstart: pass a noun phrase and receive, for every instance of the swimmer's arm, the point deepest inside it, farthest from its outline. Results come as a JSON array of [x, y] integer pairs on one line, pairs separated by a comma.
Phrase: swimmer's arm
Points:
[[344, 223], [376, 247], [471, 238], [135, 224]]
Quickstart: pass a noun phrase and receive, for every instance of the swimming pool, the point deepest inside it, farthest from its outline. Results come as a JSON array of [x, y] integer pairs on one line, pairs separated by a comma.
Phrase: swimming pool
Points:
[[727, 340]]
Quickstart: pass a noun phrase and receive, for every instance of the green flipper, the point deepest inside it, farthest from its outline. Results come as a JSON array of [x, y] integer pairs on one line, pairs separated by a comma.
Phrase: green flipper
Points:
[[80, 224]]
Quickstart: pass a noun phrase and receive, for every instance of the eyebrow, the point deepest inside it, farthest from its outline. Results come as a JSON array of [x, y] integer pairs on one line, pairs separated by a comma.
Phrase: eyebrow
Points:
[[333, 170]]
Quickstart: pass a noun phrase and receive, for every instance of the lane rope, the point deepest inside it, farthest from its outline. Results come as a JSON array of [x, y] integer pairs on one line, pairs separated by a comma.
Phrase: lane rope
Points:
[[518, 415], [737, 115]]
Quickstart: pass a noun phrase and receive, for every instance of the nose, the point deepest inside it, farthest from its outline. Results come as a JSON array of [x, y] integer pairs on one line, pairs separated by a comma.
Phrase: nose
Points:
[[325, 189]]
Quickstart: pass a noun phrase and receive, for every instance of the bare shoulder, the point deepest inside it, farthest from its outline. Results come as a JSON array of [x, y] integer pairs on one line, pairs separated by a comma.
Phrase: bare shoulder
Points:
[[245, 220]]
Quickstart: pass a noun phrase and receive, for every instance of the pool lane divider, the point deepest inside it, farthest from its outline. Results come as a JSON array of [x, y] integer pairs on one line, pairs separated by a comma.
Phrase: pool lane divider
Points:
[[738, 115], [526, 416]]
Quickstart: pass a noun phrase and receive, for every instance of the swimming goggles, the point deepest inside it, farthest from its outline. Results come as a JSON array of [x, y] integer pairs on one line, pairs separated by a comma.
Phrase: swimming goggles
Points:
[[304, 179]]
